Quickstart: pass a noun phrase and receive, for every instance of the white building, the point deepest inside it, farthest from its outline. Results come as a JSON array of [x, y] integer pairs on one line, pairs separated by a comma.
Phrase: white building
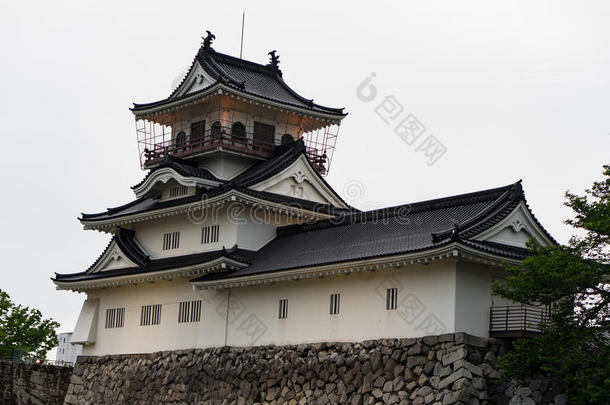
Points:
[[235, 238], [67, 352]]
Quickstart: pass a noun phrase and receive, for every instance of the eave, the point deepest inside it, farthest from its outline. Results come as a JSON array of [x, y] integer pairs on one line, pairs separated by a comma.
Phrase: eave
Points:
[[146, 111], [108, 225], [222, 263], [453, 251]]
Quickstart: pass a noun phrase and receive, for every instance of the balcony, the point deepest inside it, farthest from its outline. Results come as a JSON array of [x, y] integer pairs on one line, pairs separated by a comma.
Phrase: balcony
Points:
[[517, 321], [212, 141], [156, 141]]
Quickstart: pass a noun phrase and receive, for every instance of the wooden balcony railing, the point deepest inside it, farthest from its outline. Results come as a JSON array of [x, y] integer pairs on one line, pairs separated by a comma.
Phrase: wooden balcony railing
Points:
[[514, 321], [158, 151]]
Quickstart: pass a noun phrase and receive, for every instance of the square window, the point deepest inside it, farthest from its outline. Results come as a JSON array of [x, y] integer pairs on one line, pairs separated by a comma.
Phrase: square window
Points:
[[115, 318], [171, 240], [189, 311], [150, 315], [210, 234]]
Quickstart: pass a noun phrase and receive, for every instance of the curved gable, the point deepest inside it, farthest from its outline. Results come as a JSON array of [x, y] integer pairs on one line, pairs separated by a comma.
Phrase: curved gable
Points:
[[516, 229], [163, 175], [300, 180]]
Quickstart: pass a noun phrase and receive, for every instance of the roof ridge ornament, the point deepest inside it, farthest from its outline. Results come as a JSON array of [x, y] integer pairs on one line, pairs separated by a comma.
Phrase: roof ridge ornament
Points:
[[207, 40], [516, 191], [274, 61], [455, 233]]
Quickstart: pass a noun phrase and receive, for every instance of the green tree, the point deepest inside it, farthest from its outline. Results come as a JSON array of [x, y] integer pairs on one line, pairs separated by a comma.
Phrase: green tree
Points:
[[23, 330], [574, 280]]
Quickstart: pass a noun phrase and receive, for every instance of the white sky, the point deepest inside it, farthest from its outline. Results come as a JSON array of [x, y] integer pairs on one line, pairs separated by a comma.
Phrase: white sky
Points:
[[513, 90]]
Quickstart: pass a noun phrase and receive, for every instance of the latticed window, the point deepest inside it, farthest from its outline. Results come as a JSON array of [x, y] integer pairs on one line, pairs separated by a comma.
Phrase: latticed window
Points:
[[210, 234], [178, 191], [391, 301], [150, 315], [115, 318], [189, 311], [283, 310], [171, 240], [334, 303]]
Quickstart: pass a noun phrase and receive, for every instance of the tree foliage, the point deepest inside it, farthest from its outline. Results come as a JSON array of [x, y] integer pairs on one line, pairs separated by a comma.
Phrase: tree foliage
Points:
[[574, 281], [24, 330]]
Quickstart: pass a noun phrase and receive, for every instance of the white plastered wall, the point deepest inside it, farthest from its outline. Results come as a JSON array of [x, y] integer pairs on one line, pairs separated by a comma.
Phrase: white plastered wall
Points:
[[150, 234], [239, 224], [426, 299], [473, 298]]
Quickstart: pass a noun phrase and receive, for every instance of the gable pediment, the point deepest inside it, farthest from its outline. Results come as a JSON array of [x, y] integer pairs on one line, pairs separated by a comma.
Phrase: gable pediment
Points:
[[165, 177], [300, 181], [196, 79], [113, 258], [516, 229]]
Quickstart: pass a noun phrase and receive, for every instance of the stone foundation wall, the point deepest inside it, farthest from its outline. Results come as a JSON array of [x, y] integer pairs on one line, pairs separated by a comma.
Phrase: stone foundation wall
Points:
[[440, 370], [529, 392], [33, 384]]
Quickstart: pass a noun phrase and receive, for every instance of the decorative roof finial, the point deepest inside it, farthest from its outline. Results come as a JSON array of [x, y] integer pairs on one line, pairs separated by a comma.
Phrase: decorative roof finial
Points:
[[207, 41], [274, 62], [275, 59]]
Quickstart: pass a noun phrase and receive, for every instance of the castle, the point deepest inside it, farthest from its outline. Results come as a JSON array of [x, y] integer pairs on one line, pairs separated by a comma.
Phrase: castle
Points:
[[234, 237]]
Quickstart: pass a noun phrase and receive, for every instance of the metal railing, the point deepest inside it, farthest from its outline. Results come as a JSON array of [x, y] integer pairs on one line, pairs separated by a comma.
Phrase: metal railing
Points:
[[517, 318]]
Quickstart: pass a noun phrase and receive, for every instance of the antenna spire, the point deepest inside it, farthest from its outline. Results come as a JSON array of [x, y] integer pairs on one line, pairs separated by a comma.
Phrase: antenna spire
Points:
[[243, 19]]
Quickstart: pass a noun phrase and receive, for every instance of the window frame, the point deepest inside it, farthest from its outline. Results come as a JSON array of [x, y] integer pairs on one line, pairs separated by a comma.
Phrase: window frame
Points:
[[335, 304], [150, 315], [171, 240], [115, 318], [210, 234], [189, 311], [391, 299], [283, 308]]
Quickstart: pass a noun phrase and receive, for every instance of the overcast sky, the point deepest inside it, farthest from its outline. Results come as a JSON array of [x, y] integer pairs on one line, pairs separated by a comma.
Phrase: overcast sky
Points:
[[513, 90]]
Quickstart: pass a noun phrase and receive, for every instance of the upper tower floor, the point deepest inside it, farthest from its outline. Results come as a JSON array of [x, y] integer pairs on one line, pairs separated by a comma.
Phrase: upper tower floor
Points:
[[235, 108]]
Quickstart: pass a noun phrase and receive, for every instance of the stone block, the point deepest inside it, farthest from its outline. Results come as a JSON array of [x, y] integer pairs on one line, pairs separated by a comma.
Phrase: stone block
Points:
[[453, 356], [461, 373], [469, 366]]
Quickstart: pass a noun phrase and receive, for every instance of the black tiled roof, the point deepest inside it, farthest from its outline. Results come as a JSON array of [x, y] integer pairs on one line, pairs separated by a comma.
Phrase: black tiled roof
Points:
[[240, 255], [125, 239], [248, 78], [500, 249], [385, 232], [143, 205], [353, 235], [285, 155]]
